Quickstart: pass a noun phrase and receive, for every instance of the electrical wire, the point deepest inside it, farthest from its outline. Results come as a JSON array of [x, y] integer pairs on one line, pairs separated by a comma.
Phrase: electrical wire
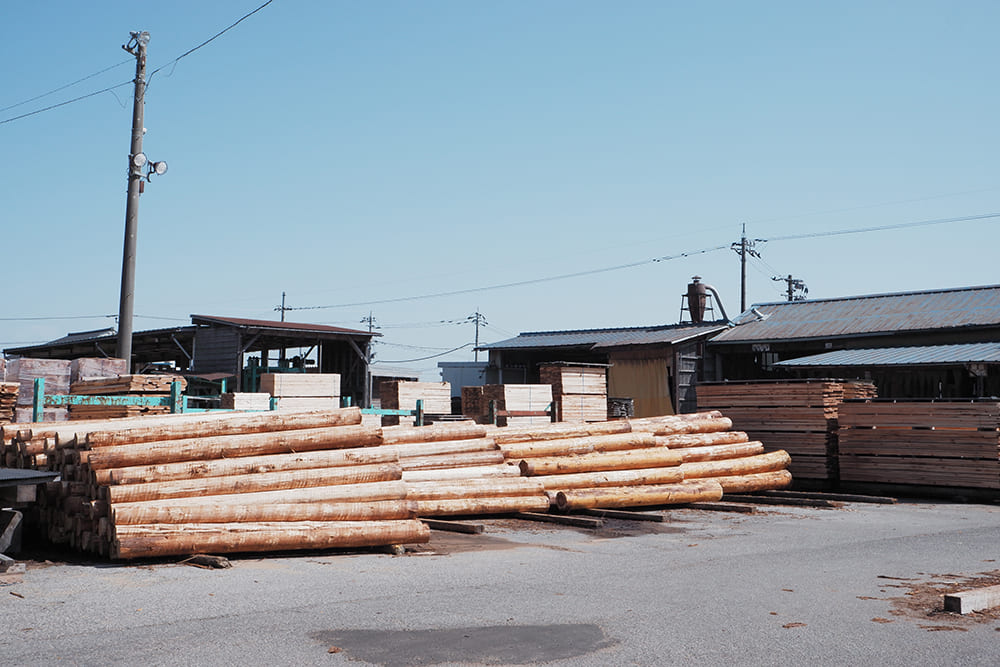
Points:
[[882, 228], [55, 317], [62, 104], [433, 356], [68, 85]]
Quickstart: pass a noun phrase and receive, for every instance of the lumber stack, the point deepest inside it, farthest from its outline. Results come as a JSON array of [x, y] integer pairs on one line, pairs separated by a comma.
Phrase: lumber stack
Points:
[[800, 417], [519, 398], [580, 392], [927, 443], [222, 483], [8, 400], [90, 368], [150, 386], [253, 401], [299, 392], [404, 394], [24, 371], [656, 461]]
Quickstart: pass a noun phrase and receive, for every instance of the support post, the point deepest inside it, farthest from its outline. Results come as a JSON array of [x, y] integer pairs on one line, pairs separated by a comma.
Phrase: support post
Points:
[[420, 412], [38, 400]]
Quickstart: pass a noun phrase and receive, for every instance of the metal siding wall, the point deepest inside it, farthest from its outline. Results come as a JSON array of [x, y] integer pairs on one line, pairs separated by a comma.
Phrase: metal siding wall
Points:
[[646, 381], [216, 351]]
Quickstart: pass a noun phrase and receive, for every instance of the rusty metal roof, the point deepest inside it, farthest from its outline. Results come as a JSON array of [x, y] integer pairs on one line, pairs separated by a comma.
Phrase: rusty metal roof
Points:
[[923, 355], [604, 338], [867, 315], [298, 327]]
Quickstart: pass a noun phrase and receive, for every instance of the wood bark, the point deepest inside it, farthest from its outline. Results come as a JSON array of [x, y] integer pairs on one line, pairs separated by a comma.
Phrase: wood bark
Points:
[[474, 472], [145, 541], [721, 452], [222, 424], [434, 433], [761, 481], [442, 461], [685, 440], [268, 481], [471, 506], [230, 446], [244, 465], [578, 445], [207, 512], [474, 488], [654, 457], [769, 462], [638, 496], [590, 480]]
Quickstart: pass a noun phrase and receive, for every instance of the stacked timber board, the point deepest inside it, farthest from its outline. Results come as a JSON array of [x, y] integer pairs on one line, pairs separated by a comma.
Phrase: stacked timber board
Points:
[[580, 392], [91, 368], [521, 398], [8, 400], [800, 417], [924, 443], [245, 401], [149, 386], [298, 392], [404, 394], [24, 371]]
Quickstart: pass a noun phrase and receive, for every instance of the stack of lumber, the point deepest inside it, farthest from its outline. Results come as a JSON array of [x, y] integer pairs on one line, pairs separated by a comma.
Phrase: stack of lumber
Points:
[[150, 386], [404, 394], [925, 443], [224, 483], [245, 401], [656, 461], [519, 398], [300, 392], [800, 417], [580, 392], [8, 400], [91, 368], [24, 371], [474, 404]]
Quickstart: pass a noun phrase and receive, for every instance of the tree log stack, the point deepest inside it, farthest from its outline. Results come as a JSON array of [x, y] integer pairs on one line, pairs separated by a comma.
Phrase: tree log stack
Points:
[[223, 483], [800, 417], [675, 459], [929, 443]]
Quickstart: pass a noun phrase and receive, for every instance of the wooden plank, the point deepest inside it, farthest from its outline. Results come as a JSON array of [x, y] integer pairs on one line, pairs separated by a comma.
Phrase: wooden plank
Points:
[[301, 384], [623, 515], [564, 519], [721, 507], [454, 526], [977, 599], [800, 502]]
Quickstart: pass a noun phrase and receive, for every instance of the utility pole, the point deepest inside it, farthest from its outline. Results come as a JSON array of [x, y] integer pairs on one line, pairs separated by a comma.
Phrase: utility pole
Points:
[[478, 318], [137, 47], [369, 357], [282, 307], [743, 248], [794, 285]]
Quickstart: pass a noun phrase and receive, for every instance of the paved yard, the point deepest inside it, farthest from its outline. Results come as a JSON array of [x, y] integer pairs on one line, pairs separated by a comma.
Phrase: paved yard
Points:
[[787, 586]]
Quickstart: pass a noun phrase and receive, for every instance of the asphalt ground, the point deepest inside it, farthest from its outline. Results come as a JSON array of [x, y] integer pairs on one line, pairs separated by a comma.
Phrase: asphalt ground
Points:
[[786, 586]]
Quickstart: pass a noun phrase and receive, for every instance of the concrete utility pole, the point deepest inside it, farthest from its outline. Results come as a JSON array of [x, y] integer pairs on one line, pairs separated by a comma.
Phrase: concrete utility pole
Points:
[[478, 318], [136, 161]]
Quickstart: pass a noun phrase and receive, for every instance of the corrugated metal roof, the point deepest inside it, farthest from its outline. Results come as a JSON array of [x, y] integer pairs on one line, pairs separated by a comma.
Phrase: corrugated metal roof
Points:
[[602, 338], [274, 325], [866, 315], [926, 355]]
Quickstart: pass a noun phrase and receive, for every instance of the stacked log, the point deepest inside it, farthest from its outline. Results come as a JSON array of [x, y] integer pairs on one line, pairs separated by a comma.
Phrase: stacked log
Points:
[[149, 386], [952, 444], [580, 392], [301, 392], [225, 483], [655, 461], [800, 417]]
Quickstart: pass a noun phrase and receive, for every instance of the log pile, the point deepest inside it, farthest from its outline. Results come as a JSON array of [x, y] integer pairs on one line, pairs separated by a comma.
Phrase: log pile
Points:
[[302, 392], [927, 443], [404, 394], [656, 461], [221, 483], [150, 386], [800, 417], [580, 392]]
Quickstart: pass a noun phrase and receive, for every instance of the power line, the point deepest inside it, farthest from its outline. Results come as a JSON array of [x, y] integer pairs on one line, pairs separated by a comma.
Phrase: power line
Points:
[[881, 228], [68, 85], [433, 356], [54, 317], [62, 104]]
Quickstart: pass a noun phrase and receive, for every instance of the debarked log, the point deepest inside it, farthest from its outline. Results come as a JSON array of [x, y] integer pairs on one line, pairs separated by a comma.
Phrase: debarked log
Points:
[[638, 496], [721, 452], [653, 457], [490, 505], [589, 480], [157, 540], [582, 445], [768, 462], [207, 512], [761, 481]]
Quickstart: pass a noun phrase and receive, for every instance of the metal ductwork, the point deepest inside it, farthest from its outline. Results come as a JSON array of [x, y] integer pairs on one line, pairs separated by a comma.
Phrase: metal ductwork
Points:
[[697, 297]]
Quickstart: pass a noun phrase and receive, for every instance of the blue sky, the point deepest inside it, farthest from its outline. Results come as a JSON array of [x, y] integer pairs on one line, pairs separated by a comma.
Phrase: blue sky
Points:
[[351, 153]]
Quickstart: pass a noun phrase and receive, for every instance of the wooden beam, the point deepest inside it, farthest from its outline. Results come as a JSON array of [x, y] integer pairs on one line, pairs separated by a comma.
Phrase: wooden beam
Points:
[[624, 515], [454, 526], [977, 599], [799, 502], [578, 521], [721, 507], [823, 495]]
